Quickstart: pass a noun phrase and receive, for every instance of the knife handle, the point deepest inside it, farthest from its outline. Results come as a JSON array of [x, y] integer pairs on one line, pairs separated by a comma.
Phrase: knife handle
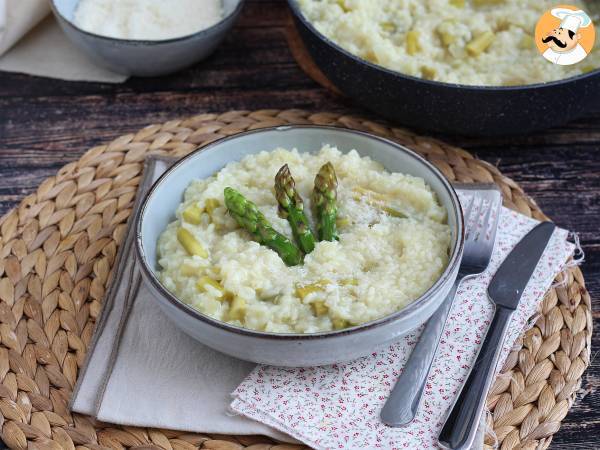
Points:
[[401, 406], [462, 423]]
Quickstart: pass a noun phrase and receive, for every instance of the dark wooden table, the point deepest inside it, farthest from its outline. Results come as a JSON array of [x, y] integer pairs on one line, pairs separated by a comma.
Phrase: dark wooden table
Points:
[[47, 123]]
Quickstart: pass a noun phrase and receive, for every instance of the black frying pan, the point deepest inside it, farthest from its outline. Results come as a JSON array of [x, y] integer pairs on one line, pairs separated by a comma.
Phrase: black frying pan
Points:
[[445, 107]]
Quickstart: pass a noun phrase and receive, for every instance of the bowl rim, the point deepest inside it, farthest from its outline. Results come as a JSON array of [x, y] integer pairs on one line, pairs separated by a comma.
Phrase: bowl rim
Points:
[[140, 42], [453, 261], [299, 15]]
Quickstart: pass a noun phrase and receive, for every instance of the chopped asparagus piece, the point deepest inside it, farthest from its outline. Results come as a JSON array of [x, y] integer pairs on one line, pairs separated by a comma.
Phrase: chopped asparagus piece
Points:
[[342, 222], [588, 68], [211, 204], [339, 324], [188, 270], [487, 2], [390, 27], [445, 31], [192, 214], [393, 212], [458, 3], [378, 200], [447, 38], [412, 42], [428, 73], [319, 308], [342, 4], [480, 44], [237, 310], [190, 243], [370, 194], [527, 42], [304, 291], [514, 82], [207, 281]]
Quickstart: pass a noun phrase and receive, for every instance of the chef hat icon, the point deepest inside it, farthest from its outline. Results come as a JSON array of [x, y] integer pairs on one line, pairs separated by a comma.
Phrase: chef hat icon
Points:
[[571, 20]]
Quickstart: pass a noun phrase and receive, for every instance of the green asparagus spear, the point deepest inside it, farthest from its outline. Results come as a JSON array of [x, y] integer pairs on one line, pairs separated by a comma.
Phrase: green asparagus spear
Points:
[[248, 216], [324, 201], [291, 208]]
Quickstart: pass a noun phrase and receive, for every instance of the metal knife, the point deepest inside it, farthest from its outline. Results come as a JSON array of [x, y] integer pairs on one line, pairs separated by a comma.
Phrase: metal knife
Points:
[[505, 291]]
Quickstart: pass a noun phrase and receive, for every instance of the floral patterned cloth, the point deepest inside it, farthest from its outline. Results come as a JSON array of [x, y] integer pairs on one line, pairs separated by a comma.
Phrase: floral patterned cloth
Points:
[[338, 406]]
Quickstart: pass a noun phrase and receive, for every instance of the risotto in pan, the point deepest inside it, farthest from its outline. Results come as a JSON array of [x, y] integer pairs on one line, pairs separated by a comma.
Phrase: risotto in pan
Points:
[[474, 42]]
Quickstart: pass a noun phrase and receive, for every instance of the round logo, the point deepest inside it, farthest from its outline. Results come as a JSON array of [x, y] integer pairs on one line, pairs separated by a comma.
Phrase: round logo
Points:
[[565, 35]]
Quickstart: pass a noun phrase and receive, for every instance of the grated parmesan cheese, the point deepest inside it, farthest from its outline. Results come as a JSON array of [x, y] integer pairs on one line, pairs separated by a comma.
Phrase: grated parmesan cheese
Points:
[[147, 19]]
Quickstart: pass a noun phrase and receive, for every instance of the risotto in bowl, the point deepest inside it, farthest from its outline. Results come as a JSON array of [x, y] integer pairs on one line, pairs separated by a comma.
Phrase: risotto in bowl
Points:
[[300, 245]]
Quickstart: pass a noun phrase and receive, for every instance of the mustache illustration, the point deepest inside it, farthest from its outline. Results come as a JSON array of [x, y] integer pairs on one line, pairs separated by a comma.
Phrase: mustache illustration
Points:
[[556, 41]]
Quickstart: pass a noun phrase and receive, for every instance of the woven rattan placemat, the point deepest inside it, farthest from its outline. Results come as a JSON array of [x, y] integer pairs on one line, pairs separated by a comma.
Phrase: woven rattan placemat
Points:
[[58, 246]]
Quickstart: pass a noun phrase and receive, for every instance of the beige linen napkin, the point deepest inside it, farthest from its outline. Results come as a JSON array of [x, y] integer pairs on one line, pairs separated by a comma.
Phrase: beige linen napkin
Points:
[[31, 42], [141, 370], [17, 17]]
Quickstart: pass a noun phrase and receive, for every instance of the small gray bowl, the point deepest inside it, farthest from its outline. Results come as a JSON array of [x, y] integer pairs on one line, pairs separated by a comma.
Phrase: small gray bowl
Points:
[[146, 58], [291, 349]]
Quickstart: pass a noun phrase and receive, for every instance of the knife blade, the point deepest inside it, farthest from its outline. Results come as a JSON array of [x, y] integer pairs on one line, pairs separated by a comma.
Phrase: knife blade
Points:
[[514, 273], [505, 290]]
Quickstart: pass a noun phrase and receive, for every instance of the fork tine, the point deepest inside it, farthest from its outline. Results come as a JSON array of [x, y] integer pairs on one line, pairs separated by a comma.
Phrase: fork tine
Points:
[[493, 219], [484, 224], [467, 211], [467, 214], [471, 222]]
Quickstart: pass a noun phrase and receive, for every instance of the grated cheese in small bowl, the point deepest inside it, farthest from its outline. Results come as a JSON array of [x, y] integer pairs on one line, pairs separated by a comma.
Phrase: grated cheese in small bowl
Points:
[[147, 19]]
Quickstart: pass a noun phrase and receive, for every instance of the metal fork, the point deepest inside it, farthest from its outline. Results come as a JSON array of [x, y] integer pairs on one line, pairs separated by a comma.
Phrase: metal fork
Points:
[[481, 222]]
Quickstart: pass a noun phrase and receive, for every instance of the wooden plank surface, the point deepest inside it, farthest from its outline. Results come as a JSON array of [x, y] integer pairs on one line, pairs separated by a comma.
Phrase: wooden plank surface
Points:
[[47, 123]]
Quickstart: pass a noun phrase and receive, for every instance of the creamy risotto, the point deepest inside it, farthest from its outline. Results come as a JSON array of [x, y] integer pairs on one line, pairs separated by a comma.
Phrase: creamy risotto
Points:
[[393, 245], [476, 42]]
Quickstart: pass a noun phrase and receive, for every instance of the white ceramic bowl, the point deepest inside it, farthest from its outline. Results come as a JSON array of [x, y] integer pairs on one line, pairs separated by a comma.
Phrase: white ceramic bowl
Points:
[[141, 57], [158, 209]]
